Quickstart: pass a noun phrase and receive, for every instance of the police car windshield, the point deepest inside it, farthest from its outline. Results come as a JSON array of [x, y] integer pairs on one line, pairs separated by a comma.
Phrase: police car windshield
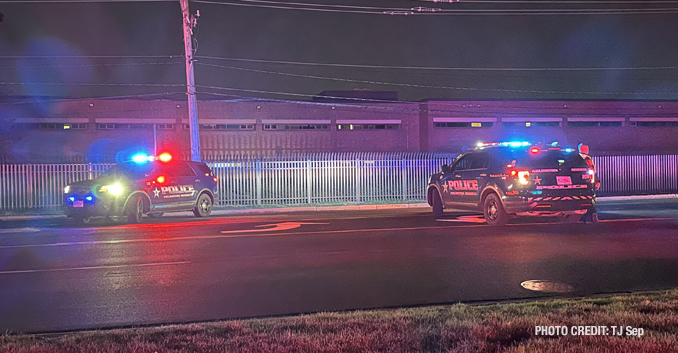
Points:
[[547, 159], [129, 170]]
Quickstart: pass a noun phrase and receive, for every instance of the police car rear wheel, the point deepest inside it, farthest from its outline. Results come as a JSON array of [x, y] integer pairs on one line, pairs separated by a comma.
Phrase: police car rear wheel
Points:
[[204, 206], [135, 210], [437, 205], [494, 212], [572, 218]]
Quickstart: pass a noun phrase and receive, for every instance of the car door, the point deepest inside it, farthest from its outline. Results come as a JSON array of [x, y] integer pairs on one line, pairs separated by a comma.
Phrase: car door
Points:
[[474, 177], [451, 183], [174, 186]]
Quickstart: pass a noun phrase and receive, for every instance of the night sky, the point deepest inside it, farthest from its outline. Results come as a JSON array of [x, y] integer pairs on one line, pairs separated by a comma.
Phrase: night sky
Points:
[[491, 41]]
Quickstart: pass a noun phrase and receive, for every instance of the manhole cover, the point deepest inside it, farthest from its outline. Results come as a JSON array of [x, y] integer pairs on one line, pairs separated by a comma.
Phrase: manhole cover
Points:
[[547, 286]]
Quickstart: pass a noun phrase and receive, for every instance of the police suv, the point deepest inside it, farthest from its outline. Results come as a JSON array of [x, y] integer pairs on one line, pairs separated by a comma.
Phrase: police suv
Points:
[[145, 185], [511, 179]]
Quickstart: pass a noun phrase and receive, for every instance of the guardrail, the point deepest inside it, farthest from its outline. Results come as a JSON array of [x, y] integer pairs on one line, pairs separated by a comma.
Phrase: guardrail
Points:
[[331, 178]]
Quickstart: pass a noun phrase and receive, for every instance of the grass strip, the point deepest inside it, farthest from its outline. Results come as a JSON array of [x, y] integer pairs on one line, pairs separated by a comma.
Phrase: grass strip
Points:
[[505, 327]]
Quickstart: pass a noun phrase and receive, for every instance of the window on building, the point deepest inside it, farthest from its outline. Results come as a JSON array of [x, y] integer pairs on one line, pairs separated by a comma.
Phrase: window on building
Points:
[[354, 127], [230, 127], [464, 124], [25, 126], [654, 123], [517, 124], [594, 123], [272, 127], [78, 126], [47, 126]]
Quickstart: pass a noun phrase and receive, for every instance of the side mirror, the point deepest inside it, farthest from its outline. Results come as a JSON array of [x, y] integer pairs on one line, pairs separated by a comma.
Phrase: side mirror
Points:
[[445, 168]]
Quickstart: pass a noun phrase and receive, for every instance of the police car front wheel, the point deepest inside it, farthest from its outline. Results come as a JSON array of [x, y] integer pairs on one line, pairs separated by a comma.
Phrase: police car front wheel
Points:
[[203, 207], [81, 220], [135, 209]]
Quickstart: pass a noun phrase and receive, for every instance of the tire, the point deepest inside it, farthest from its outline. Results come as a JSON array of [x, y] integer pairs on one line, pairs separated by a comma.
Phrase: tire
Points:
[[572, 218], [155, 214], [134, 210], [81, 220], [494, 212], [437, 205], [592, 218], [203, 207]]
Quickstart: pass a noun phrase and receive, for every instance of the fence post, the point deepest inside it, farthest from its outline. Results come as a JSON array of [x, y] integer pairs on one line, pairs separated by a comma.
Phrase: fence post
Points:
[[403, 176], [357, 180], [309, 182], [90, 172], [258, 172], [29, 185]]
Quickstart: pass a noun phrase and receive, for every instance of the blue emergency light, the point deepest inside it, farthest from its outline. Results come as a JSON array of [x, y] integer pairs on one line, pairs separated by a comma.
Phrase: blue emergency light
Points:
[[140, 158]]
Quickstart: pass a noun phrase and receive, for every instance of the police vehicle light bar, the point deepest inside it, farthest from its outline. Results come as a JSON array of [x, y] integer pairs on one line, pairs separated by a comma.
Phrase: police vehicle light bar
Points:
[[143, 158], [165, 157], [505, 144]]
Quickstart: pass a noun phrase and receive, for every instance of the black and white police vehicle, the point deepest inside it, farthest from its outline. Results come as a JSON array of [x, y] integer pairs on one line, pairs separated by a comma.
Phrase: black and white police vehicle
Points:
[[145, 185], [511, 179]]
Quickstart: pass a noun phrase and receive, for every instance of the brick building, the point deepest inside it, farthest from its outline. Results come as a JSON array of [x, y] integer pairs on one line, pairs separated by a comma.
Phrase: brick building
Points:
[[95, 129]]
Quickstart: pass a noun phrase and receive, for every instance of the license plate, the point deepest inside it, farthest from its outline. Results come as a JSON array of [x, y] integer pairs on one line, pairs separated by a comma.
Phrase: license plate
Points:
[[564, 180], [78, 203]]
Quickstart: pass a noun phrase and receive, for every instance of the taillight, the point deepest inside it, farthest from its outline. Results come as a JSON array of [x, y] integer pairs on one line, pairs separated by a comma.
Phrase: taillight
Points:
[[215, 179], [524, 177]]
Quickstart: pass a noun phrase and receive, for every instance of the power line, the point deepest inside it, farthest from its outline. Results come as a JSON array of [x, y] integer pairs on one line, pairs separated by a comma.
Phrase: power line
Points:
[[90, 56], [90, 65], [455, 12], [95, 84], [440, 68], [33, 100], [428, 86], [311, 5], [75, 1], [561, 2]]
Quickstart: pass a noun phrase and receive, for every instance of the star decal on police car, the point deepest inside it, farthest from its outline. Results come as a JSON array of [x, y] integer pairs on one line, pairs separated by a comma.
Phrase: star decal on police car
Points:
[[156, 192], [537, 180]]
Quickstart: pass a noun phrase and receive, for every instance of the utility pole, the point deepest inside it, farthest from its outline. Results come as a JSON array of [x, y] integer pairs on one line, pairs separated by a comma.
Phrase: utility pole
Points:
[[189, 22]]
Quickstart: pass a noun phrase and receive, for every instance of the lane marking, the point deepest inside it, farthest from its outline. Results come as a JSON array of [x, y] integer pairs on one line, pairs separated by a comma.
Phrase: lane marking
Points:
[[19, 230], [201, 237], [271, 227], [95, 267]]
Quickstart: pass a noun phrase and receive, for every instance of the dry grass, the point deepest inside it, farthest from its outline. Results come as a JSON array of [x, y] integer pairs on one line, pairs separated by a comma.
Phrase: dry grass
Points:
[[456, 328]]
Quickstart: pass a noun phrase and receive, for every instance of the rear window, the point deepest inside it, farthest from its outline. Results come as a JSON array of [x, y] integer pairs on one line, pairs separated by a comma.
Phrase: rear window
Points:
[[203, 168], [546, 159], [130, 170]]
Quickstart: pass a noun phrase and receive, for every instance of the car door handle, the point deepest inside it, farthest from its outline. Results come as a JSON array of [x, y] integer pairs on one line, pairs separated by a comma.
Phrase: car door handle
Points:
[[457, 175], [197, 180]]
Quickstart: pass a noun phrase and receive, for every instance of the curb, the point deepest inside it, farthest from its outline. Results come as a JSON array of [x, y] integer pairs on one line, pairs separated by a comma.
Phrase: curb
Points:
[[346, 208]]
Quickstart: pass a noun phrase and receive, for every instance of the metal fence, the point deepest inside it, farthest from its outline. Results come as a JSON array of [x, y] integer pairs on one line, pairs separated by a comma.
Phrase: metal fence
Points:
[[326, 178]]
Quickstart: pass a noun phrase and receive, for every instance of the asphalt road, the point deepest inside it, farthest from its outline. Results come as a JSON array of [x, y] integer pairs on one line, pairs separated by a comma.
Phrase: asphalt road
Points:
[[55, 276]]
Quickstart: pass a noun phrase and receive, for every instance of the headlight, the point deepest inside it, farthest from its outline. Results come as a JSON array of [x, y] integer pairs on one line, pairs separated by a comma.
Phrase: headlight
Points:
[[67, 189], [115, 189]]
